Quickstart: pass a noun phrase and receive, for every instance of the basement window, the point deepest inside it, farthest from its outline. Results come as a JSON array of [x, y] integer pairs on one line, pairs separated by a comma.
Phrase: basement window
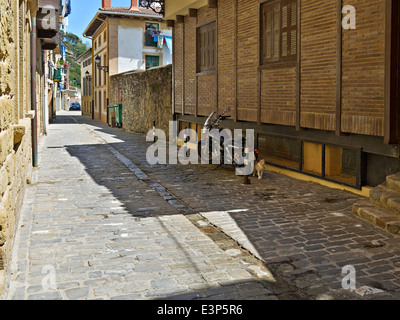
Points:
[[312, 158], [280, 151], [341, 164], [334, 163]]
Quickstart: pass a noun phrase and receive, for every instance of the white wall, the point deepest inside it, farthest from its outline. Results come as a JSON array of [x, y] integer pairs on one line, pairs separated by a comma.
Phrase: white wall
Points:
[[131, 50], [130, 40]]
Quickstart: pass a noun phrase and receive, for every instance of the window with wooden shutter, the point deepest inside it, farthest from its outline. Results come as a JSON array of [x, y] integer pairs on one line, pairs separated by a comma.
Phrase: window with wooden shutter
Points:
[[279, 31], [207, 48]]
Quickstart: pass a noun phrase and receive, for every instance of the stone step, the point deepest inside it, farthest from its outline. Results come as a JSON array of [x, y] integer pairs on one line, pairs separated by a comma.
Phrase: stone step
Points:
[[383, 218], [393, 182], [386, 198]]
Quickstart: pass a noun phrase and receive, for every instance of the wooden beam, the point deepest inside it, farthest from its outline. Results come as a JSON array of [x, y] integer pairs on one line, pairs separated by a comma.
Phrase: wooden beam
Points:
[[173, 73], [192, 13], [216, 75], [259, 63], [236, 61], [196, 80], [183, 67], [298, 76], [170, 23], [213, 3], [179, 19], [388, 73], [339, 58]]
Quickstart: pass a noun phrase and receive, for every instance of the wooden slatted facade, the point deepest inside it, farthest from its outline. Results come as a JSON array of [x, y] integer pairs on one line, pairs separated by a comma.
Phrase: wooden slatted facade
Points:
[[288, 67]]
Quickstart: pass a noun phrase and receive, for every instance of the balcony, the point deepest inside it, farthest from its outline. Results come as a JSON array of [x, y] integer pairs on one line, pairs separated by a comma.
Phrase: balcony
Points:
[[50, 43], [48, 22]]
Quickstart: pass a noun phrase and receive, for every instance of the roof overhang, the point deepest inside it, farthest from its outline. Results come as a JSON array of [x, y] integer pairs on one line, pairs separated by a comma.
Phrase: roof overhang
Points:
[[87, 54], [95, 24], [102, 15], [175, 8]]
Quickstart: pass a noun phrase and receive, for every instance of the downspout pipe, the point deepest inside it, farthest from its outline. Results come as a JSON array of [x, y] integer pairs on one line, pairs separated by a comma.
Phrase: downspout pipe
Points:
[[45, 96], [33, 93]]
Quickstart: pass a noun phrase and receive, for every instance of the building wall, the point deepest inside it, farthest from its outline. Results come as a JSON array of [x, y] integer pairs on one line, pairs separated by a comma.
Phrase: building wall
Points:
[[130, 54], [15, 125], [100, 77], [146, 97], [363, 70], [86, 98], [122, 49], [273, 95], [318, 64]]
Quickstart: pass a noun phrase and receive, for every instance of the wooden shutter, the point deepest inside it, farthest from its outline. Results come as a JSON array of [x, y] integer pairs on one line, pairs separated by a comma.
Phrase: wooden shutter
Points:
[[293, 29], [207, 48], [284, 35], [279, 31], [289, 29], [271, 32]]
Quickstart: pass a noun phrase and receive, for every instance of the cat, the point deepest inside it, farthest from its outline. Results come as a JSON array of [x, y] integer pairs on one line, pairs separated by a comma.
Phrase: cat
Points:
[[259, 168]]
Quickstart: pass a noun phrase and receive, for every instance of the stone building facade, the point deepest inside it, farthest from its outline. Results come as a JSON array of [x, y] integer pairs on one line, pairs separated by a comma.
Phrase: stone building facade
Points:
[[15, 116], [85, 60], [146, 96], [23, 93], [120, 40]]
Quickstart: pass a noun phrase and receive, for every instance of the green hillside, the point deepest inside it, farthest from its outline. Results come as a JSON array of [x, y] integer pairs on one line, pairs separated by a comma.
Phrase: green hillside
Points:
[[76, 47]]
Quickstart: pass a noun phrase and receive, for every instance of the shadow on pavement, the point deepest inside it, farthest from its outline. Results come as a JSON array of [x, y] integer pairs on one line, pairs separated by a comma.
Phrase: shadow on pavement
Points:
[[304, 231]]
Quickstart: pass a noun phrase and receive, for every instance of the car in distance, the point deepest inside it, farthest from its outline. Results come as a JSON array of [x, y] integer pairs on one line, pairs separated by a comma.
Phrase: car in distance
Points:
[[75, 107]]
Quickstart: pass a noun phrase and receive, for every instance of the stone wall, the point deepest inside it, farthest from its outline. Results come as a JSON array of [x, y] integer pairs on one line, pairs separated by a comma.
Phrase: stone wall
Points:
[[146, 96], [15, 121]]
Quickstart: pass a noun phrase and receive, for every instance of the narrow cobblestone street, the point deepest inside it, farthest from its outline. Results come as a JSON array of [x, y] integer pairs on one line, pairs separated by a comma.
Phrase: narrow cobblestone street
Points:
[[111, 226]]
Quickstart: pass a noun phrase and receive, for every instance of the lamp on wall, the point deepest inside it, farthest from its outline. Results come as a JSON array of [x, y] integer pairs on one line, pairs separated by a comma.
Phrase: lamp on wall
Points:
[[88, 76], [98, 61]]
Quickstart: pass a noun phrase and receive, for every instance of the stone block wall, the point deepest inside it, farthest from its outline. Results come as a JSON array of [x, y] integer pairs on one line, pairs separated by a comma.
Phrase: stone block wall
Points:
[[15, 124], [146, 96]]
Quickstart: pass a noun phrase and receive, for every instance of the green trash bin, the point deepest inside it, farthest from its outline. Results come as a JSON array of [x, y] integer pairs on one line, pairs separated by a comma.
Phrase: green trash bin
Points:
[[118, 115], [111, 115]]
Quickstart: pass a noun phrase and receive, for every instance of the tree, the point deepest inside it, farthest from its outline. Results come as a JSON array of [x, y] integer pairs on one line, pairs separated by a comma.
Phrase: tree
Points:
[[76, 47]]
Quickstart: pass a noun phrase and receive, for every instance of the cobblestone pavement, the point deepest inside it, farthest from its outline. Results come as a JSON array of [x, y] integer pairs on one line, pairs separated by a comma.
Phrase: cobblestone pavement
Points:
[[113, 226], [94, 226]]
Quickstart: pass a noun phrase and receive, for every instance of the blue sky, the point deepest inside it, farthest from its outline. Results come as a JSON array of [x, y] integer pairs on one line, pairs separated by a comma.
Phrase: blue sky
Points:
[[83, 11]]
